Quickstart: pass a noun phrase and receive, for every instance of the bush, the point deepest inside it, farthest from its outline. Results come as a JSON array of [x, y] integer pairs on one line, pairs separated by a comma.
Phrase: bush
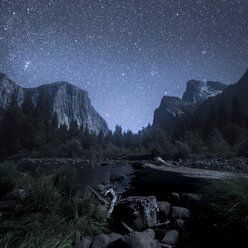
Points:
[[52, 217], [217, 145], [42, 194], [182, 150], [8, 177], [73, 148]]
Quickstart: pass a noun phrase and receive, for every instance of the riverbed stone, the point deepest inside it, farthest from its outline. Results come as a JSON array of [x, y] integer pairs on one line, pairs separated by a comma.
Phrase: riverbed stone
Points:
[[180, 213], [171, 238], [164, 210], [103, 240], [138, 212], [189, 197], [144, 239]]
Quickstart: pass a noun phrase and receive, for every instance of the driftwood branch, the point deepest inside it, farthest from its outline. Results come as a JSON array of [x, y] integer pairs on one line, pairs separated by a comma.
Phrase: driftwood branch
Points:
[[163, 223], [165, 246], [127, 228], [112, 203], [101, 200]]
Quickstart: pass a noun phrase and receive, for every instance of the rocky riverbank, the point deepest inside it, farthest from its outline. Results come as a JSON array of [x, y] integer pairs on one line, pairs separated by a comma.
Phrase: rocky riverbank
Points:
[[222, 164], [146, 214]]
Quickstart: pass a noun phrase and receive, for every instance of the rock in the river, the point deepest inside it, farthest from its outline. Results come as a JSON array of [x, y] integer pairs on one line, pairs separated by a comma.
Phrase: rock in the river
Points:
[[180, 213], [144, 239], [171, 238], [164, 210], [138, 212], [104, 241]]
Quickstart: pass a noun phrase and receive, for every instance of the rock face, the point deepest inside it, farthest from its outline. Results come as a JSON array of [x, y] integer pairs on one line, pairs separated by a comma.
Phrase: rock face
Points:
[[8, 89], [69, 102], [174, 109], [171, 109], [197, 91], [236, 91]]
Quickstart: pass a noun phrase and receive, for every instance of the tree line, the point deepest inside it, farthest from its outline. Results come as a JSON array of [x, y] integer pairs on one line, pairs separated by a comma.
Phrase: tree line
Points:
[[30, 130]]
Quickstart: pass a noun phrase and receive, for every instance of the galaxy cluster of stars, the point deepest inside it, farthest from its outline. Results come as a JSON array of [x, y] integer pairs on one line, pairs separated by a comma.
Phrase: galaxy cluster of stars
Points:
[[126, 53]]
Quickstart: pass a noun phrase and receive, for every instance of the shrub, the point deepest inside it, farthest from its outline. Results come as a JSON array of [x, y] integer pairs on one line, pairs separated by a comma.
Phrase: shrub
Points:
[[182, 150], [52, 217], [8, 177], [42, 194], [217, 145]]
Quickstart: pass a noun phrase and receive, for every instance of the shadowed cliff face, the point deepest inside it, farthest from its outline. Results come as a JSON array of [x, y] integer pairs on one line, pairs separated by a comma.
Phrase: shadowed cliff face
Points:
[[236, 91], [172, 109], [69, 102]]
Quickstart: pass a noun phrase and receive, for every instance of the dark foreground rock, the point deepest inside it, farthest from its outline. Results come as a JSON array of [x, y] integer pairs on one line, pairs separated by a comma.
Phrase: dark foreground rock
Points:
[[144, 239], [171, 238], [137, 212], [104, 241]]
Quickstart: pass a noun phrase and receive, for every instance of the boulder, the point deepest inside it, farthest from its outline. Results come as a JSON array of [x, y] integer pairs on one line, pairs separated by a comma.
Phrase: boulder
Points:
[[170, 238], [180, 213], [164, 210], [144, 239], [191, 197], [138, 212], [84, 243], [103, 240]]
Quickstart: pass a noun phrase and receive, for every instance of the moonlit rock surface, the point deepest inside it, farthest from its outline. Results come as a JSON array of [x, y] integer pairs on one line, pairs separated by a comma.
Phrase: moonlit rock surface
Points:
[[69, 102], [198, 91]]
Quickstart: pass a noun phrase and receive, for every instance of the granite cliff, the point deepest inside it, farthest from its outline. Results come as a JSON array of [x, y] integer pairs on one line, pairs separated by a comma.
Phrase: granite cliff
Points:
[[69, 102]]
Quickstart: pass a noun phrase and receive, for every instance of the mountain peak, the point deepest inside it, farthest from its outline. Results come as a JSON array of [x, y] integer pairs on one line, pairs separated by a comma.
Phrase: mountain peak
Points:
[[199, 91], [68, 101]]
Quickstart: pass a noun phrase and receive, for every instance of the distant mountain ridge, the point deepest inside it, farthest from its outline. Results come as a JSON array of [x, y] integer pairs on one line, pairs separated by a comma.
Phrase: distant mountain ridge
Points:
[[172, 109], [238, 91], [200, 99], [68, 101]]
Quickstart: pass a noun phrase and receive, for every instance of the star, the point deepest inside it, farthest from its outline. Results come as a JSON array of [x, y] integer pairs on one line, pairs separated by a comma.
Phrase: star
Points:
[[26, 65], [125, 54]]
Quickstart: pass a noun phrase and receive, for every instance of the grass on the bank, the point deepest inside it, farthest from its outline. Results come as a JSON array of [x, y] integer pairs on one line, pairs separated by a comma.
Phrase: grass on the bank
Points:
[[228, 200], [51, 216]]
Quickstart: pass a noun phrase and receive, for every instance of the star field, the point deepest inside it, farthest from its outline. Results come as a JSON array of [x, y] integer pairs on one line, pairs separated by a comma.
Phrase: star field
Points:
[[126, 54]]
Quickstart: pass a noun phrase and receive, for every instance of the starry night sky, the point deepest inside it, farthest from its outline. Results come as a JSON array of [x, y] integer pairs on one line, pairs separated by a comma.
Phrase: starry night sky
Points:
[[126, 53]]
